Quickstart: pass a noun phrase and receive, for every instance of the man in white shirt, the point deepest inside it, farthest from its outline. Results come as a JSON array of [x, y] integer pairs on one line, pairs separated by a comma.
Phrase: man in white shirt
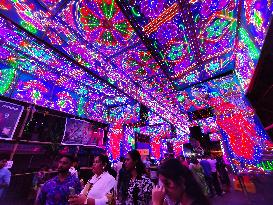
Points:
[[4, 176]]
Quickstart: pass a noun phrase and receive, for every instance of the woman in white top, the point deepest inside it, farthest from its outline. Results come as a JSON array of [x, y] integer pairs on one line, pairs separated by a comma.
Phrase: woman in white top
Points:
[[97, 190]]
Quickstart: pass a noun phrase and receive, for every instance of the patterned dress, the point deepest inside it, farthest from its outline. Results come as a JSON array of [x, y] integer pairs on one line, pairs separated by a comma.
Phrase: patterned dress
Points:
[[198, 173], [140, 191]]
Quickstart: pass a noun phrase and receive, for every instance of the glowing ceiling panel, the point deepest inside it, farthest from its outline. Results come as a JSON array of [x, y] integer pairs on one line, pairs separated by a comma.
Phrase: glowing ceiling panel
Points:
[[149, 50], [32, 72]]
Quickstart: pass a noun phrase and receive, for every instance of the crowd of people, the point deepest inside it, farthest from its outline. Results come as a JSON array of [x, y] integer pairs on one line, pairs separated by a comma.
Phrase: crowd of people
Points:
[[174, 181]]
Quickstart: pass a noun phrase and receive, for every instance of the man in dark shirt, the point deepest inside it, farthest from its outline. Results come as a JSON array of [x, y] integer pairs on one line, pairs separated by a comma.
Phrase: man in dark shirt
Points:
[[57, 190]]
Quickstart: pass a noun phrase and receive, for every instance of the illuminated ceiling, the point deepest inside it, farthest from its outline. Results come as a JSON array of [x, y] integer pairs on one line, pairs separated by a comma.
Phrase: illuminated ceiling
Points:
[[102, 51]]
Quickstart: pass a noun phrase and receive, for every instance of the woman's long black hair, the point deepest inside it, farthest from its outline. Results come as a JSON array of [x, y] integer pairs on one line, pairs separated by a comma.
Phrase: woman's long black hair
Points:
[[172, 169], [105, 160], [139, 165], [124, 176]]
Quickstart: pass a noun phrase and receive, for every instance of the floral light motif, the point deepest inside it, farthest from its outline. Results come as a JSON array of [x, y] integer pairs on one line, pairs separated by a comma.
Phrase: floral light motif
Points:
[[32, 91], [140, 65], [65, 102], [152, 8], [216, 29], [102, 22], [166, 33]]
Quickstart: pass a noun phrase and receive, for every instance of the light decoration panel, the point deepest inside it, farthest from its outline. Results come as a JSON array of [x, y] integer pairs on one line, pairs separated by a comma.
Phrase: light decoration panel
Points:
[[119, 135], [35, 69], [241, 130], [234, 122], [255, 19], [7, 75], [184, 35], [127, 113], [115, 135], [62, 32], [138, 63], [30, 90], [102, 24]]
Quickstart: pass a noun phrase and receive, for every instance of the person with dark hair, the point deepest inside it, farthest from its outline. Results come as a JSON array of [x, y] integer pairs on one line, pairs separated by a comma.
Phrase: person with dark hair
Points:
[[4, 176], [139, 189], [223, 174], [199, 175], [123, 184], [178, 186], [207, 172], [98, 188], [214, 176], [57, 190], [38, 180]]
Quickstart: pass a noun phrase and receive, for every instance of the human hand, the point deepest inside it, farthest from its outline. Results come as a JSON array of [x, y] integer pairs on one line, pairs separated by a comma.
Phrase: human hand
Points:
[[77, 199], [158, 195]]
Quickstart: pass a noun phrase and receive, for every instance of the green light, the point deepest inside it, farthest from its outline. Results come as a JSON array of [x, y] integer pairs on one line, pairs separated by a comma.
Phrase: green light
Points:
[[108, 36], [266, 165], [80, 110], [134, 12], [92, 21], [254, 53], [62, 103], [258, 20], [196, 18], [122, 27], [137, 129], [28, 27], [216, 29], [146, 57], [108, 10], [36, 95], [181, 26], [180, 98], [214, 66], [161, 54], [176, 52], [7, 76], [98, 86], [191, 77], [111, 81]]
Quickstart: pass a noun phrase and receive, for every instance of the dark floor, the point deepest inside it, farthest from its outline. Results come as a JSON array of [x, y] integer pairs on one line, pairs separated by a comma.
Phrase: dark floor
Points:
[[233, 198], [263, 195]]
